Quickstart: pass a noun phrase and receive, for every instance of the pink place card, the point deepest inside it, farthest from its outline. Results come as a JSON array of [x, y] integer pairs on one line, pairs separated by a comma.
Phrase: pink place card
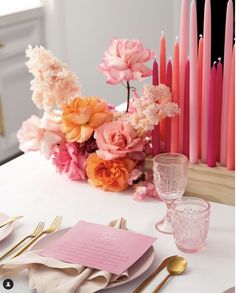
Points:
[[100, 247]]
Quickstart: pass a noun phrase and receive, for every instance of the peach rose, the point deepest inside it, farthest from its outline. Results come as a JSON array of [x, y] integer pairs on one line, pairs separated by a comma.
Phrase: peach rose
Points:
[[111, 175], [117, 139], [82, 116], [125, 60]]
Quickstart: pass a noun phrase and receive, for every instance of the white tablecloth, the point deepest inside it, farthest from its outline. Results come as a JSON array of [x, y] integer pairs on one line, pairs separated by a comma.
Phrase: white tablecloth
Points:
[[30, 186]]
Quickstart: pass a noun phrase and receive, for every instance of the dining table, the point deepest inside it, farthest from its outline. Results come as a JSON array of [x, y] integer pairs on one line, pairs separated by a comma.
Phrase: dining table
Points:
[[31, 187]]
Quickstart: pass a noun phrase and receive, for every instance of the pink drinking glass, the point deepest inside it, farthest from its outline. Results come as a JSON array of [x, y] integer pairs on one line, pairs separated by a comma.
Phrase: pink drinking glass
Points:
[[190, 220], [170, 175]]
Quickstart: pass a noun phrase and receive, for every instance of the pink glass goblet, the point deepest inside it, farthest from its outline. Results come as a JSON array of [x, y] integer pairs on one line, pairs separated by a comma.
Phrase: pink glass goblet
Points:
[[190, 221], [170, 175]]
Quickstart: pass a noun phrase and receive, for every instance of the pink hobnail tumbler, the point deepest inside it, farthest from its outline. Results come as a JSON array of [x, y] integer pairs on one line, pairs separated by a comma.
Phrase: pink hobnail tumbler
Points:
[[190, 222]]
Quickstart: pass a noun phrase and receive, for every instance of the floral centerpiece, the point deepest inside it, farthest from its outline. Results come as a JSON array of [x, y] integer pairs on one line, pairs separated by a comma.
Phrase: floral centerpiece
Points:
[[86, 138]]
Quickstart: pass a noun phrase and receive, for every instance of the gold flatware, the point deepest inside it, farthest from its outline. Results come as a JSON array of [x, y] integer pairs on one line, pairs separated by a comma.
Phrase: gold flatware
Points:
[[176, 266], [37, 230], [153, 275], [10, 220], [54, 226]]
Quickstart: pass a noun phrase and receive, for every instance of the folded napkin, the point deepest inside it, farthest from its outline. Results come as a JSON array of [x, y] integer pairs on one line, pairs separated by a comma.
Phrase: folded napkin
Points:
[[48, 275]]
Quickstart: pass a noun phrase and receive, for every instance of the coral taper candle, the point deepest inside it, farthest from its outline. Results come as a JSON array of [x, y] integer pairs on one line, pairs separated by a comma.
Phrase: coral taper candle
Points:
[[206, 77], [211, 149], [163, 59], [230, 161], [168, 120], [174, 144], [156, 131], [199, 76], [226, 80], [193, 111], [219, 85], [186, 111], [183, 46]]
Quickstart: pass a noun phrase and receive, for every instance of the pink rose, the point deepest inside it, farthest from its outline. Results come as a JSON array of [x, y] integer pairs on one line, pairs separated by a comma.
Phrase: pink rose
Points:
[[117, 139], [124, 60], [39, 134], [68, 160]]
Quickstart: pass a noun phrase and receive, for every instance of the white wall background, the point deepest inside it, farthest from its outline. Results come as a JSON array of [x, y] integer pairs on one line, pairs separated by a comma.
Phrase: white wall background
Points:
[[78, 31]]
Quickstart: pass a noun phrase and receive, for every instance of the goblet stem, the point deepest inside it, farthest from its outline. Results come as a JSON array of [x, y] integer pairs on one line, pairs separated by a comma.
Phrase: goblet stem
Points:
[[164, 225], [168, 204]]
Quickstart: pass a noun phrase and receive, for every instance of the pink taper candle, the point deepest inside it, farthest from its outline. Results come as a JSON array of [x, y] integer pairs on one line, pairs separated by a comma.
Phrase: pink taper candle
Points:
[[219, 84], [226, 80], [186, 111], [174, 144], [230, 162], [156, 131], [199, 74], [168, 120], [211, 146], [163, 80], [183, 45], [206, 77], [193, 111]]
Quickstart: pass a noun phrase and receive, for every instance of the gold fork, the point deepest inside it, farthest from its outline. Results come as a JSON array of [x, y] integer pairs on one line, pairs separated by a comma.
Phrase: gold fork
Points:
[[37, 230], [54, 226]]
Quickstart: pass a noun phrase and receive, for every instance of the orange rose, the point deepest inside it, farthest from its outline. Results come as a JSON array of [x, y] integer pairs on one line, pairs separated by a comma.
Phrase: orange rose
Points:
[[82, 116], [111, 175]]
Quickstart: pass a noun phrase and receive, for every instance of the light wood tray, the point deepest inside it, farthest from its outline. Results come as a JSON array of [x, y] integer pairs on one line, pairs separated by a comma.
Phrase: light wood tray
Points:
[[214, 184]]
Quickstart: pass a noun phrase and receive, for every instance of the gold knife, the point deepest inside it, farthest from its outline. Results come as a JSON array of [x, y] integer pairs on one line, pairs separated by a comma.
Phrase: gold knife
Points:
[[10, 220], [153, 275]]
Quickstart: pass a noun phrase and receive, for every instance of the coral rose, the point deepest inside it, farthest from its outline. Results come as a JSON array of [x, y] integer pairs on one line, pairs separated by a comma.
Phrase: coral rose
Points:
[[68, 160], [82, 116], [111, 175], [124, 60], [117, 139]]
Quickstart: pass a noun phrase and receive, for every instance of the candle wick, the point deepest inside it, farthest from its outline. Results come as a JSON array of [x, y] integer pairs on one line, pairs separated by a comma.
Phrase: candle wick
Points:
[[214, 63], [200, 36], [170, 58], [176, 38], [219, 59]]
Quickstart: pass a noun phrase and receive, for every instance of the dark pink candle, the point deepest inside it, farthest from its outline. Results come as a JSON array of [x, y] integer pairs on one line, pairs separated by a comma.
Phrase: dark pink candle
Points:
[[156, 131], [168, 120], [211, 148], [186, 110], [219, 86], [155, 73]]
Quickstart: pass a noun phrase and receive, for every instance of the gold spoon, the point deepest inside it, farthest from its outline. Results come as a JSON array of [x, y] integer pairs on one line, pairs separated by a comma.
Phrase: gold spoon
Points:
[[176, 266]]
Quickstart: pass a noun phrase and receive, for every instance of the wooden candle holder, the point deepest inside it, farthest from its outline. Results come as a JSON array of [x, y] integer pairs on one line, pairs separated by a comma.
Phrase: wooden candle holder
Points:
[[214, 184]]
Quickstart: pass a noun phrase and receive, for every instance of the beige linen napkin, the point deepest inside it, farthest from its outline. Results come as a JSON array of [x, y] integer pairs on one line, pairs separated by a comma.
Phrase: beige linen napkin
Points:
[[48, 275]]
